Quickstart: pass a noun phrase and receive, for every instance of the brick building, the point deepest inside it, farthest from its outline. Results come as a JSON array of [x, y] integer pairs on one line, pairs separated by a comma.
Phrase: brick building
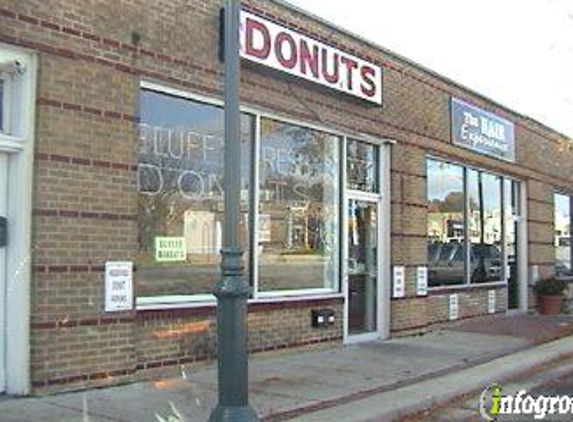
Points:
[[372, 188]]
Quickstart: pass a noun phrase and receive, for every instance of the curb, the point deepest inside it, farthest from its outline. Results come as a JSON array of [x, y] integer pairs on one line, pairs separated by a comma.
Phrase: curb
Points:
[[401, 402]]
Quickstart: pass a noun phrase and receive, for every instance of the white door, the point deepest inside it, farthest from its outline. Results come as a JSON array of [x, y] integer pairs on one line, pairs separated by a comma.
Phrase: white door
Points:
[[3, 268]]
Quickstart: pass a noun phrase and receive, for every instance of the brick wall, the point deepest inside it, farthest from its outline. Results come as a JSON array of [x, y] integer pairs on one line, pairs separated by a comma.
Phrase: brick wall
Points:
[[85, 201]]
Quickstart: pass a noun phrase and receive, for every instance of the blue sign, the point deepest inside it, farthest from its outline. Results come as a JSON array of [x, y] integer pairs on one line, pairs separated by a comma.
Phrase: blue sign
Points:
[[482, 131]]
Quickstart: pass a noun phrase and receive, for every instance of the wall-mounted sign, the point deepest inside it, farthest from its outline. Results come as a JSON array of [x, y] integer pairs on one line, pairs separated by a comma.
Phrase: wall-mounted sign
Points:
[[272, 45], [454, 307], [535, 277], [170, 249], [422, 280], [118, 286], [482, 131], [491, 301], [399, 287]]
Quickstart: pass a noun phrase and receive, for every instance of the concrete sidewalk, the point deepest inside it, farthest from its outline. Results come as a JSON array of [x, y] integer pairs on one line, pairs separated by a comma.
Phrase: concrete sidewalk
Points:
[[319, 385]]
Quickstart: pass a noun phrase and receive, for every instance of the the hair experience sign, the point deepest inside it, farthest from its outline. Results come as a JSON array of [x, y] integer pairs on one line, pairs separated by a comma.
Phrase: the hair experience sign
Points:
[[274, 46], [482, 131]]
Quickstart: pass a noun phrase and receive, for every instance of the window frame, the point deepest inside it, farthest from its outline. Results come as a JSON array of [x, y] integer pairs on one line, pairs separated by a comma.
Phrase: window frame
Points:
[[467, 283], [9, 109], [570, 196], [202, 300]]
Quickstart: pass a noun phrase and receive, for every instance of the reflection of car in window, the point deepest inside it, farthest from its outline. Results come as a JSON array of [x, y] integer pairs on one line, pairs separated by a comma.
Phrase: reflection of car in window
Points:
[[446, 261]]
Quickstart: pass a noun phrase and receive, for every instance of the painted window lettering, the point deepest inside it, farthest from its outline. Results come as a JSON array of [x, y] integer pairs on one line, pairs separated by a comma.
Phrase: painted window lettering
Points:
[[272, 45]]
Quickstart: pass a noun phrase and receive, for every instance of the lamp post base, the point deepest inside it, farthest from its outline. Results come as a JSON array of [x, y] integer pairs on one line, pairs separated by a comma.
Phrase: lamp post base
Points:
[[234, 414]]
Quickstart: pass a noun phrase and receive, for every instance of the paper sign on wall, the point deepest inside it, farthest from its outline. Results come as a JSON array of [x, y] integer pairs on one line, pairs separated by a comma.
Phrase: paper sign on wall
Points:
[[118, 286], [170, 249], [535, 273], [399, 282], [422, 280], [491, 302], [454, 307]]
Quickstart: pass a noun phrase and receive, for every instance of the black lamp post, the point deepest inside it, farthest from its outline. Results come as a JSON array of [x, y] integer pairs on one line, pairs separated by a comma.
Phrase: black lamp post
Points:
[[232, 291]]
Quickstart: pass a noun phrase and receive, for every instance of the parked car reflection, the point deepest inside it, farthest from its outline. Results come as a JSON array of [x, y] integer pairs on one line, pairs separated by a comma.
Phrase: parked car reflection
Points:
[[447, 263]]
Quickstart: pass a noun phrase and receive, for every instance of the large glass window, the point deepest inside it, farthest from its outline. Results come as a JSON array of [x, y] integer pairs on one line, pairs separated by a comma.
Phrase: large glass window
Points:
[[563, 219], [445, 223], [299, 206], [465, 225], [180, 182], [485, 227]]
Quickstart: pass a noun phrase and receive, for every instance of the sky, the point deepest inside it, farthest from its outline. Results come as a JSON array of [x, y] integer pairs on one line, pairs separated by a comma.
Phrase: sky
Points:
[[519, 53]]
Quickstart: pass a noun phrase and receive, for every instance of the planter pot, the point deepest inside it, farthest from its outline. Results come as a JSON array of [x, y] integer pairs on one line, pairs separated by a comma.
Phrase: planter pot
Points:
[[550, 305]]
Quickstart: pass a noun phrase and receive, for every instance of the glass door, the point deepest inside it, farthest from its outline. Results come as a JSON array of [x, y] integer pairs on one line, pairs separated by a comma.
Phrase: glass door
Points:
[[362, 266], [513, 212]]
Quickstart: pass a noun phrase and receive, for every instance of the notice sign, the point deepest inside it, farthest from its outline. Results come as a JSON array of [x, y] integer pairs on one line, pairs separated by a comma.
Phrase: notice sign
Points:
[[264, 228], [399, 282], [422, 280], [118, 286], [170, 249], [491, 301], [269, 44], [481, 131], [454, 307]]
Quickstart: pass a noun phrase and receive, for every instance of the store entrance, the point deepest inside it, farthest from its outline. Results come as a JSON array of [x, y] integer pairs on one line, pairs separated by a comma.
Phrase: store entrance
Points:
[[514, 245], [3, 264], [362, 267]]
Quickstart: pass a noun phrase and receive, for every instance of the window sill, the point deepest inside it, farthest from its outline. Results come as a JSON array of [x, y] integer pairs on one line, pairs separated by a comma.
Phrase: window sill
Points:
[[194, 302], [463, 287]]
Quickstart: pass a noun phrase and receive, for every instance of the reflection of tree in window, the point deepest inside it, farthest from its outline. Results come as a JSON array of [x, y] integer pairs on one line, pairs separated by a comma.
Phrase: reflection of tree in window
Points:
[[485, 226], [299, 191], [446, 228]]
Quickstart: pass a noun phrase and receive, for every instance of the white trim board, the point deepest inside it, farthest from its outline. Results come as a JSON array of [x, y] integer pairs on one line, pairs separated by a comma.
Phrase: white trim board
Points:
[[19, 145]]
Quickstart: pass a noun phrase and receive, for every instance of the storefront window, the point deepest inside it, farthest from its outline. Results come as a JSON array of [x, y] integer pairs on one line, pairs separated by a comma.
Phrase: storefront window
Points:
[[485, 227], [180, 182], [362, 166], [466, 225], [563, 219], [446, 228], [299, 206]]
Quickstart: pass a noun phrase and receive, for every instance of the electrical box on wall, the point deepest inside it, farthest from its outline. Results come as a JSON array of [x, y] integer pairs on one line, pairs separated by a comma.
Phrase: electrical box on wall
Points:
[[3, 232], [322, 318]]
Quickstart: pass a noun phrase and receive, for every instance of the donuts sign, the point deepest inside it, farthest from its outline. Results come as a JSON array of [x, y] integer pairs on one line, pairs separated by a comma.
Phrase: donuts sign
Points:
[[268, 44]]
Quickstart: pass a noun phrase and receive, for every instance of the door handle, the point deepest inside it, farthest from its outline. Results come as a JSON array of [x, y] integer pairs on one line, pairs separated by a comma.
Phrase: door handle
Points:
[[3, 232]]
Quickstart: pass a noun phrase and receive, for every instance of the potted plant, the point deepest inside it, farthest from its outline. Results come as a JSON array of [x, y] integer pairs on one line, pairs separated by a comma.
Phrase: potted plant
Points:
[[549, 294]]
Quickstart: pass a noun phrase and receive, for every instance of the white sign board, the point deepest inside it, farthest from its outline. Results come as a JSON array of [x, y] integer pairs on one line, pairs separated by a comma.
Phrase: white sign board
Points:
[[265, 228], [118, 286], [454, 307], [535, 273], [491, 301], [399, 282], [422, 281], [272, 45]]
